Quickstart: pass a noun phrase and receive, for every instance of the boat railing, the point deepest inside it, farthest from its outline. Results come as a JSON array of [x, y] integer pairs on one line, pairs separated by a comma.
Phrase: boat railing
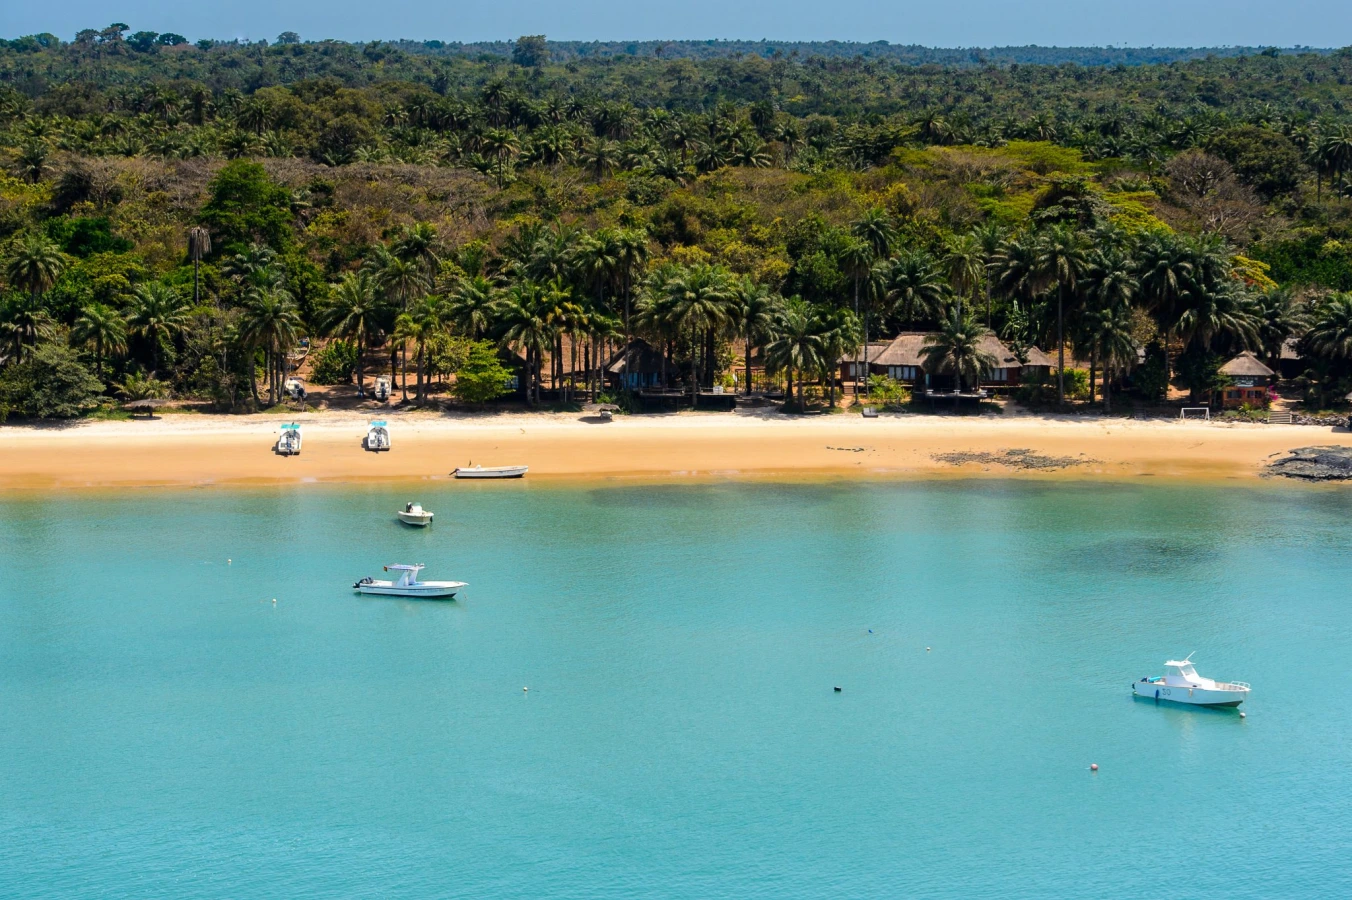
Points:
[[1232, 686]]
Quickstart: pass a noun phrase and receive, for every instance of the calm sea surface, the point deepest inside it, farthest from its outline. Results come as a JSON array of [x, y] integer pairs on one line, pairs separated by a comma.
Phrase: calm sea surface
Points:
[[167, 732]]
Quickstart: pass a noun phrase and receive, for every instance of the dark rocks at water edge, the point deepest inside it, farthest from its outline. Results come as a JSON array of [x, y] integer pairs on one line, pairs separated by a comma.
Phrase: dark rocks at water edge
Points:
[[1014, 459], [1315, 464]]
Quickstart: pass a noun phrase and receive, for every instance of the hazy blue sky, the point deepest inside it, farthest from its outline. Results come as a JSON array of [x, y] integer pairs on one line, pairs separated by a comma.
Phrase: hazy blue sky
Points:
[[1321, 23]]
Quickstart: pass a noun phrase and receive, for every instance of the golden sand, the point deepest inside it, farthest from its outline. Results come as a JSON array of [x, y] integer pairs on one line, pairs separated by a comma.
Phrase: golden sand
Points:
[[203, 449]]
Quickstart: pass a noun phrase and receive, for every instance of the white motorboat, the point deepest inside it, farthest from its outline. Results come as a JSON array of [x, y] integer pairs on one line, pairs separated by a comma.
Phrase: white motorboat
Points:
[[288, 443], [490, 471], [408, 585], [382, 388], [1180, 683], [378, 437], [414, 514]]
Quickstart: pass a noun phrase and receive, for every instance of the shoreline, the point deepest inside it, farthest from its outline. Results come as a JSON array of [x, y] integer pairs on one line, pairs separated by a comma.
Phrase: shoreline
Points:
[[201, 450]]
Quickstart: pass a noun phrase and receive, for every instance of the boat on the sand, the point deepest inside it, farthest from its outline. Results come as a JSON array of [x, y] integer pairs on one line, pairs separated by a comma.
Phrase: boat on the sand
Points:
[[490, 471], [378, 437], [288, 442]]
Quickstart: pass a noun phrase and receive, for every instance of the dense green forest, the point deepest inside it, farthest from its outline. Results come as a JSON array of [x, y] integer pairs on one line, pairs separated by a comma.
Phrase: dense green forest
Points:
[[176, 216]]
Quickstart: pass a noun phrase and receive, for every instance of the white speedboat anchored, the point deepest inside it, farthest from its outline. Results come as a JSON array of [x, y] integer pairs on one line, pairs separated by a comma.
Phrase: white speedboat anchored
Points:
[[414, 514], [490, 471], [1180, 683], [378, 437], [288, 443], [408, 585]]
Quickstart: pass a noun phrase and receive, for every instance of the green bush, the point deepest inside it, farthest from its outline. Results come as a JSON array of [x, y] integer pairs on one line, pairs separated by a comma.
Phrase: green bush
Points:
[[335, 363], [51, 384], [884, 391], [482, 376], [1077, 384]]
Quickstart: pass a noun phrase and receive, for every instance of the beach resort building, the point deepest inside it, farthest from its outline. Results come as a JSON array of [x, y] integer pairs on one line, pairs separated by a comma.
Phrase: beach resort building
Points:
[[903, 359], [1249, 381]]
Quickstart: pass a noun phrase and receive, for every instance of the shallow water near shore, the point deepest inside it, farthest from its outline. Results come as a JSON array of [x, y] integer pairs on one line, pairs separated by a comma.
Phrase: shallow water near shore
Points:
[[170, 732]]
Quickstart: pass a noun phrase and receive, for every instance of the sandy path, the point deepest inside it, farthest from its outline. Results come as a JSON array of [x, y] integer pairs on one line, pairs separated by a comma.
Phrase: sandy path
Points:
[[190, 449]]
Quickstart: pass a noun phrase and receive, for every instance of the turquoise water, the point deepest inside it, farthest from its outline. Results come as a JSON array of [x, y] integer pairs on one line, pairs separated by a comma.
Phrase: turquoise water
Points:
[[166, 731]]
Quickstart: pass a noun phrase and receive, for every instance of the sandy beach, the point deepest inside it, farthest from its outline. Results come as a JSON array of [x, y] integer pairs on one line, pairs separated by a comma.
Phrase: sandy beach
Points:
[[204, 449]]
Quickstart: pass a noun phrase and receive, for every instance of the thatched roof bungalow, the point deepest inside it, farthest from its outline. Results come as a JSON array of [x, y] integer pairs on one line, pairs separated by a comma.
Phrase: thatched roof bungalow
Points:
[[903, 359], [1249, 380]]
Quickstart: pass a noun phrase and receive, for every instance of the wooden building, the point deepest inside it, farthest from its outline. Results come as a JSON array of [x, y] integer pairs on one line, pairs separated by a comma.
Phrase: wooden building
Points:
[[639, 367], [1249, 380], [903, 359]]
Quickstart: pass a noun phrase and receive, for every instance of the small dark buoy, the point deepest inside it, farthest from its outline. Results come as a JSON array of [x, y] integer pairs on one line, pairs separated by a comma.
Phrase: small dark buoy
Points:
[[870, 631], [837, 689]]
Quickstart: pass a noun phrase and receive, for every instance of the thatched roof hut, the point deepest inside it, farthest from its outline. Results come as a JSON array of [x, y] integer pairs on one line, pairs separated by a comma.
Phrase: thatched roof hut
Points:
[[1246, 365]]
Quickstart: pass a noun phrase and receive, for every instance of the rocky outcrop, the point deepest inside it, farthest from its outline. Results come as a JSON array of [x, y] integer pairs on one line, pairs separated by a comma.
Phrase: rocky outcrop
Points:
[[1315, 464]]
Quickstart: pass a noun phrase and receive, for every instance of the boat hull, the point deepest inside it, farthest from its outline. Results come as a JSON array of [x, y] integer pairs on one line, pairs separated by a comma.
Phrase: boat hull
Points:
[[419, 520], [1188, 696], [423, 590], [497, 472]]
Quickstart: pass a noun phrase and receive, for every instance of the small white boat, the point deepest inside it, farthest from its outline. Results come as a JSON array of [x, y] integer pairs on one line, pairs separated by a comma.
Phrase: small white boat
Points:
[[382, 388], [288, 443], [414, 514], [378, 437], [1180, 683], [408, 585], [490, 471]]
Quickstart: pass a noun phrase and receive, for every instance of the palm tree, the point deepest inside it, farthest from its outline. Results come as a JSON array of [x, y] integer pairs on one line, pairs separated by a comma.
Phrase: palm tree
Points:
[[956, 349], [991, 236], [472, 305], [875, 228], [104, 328], [271, 322], [524, 323], [501, 145], [840, 335], [199, 245], [352, 313], [798, 346], [598, 262], [965, 261], [34, 265], [599, 156], [25, 322], [1061, 261], [30, 163], [755, 313], [700, 297], [157, 313], [856, 259], [1111, 336], [1330, 336], [915, 288], [1164, 267], [1280, 318], [400, 280], [1221, 311], [1110, 286], [425, 319], [631, 255], [417, 244]]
